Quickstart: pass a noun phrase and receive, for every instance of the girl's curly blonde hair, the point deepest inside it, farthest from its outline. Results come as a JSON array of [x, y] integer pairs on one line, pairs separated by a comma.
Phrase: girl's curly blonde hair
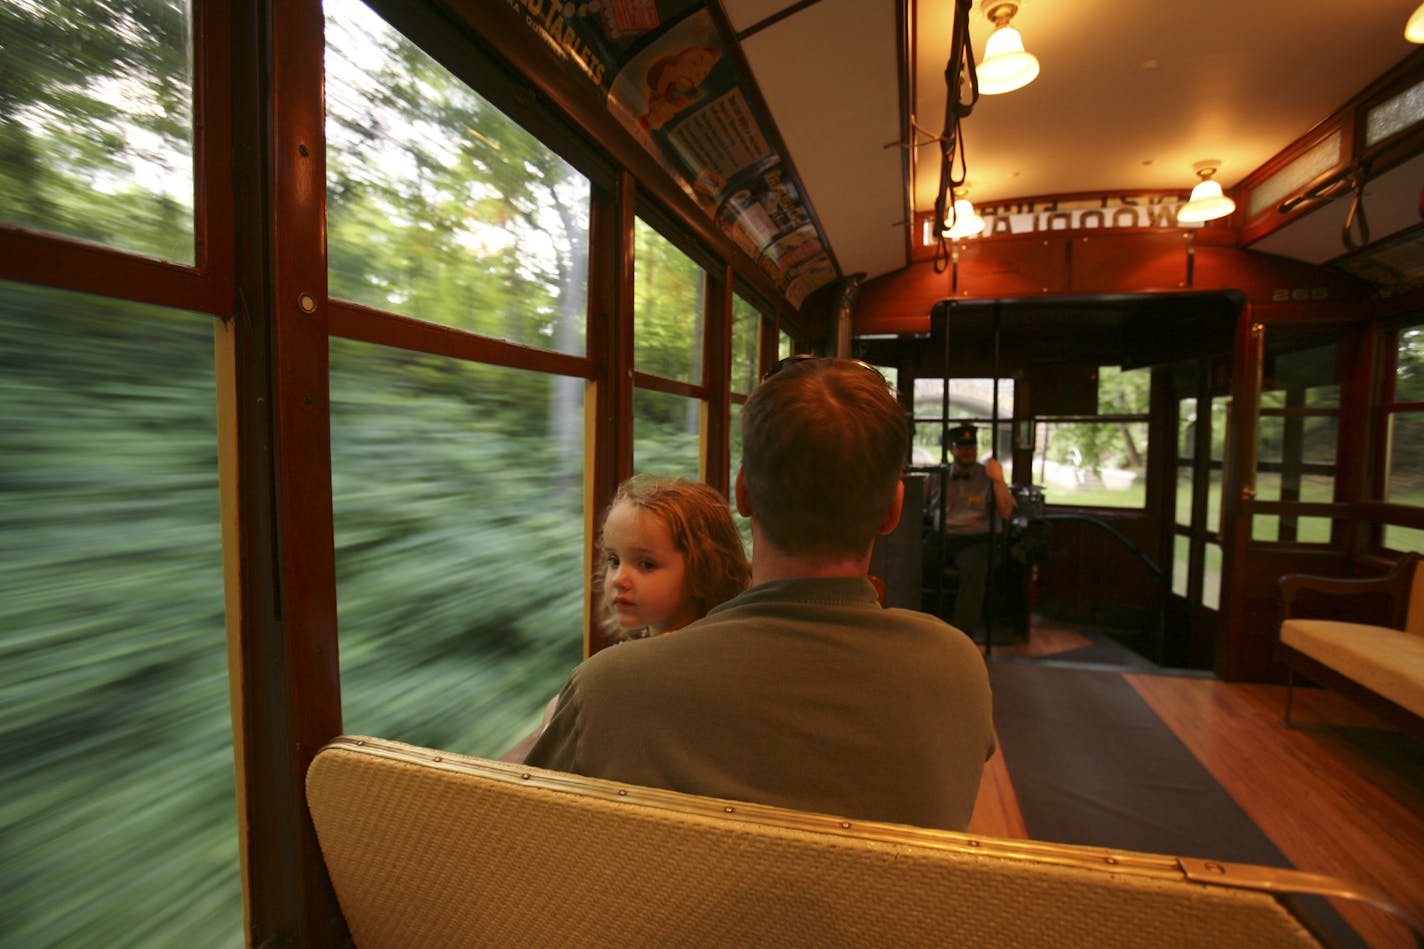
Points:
[[700, 523]]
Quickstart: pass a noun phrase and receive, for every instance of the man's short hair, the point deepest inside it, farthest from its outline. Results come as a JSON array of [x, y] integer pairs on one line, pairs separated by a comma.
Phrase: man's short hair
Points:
[[824, 443]]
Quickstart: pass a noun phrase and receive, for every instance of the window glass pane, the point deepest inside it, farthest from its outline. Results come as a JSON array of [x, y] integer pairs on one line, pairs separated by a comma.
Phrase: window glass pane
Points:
[[1007, 461], [1409, 373], [1101, 464], [1405, 440], [669, 299], [925, 446], [1186, 429], [119, 815], [1123, 393], [735, 440], [1295, 458], [929, 398], [1403, 539], [784, 347], [1290, 529], [1319, 438], [1269, 431], [1220, 412], [1211, 577], [746, 345], [1181, 563], [1405, 483], [1186, 452], [96, 124], [1299, 173], [1183, 515], [1301, 378], [1322, 397], [439, 207], [1310, 397], [971, 399], [744, 524], [1395, 114], [666, 434], [1295, 462], [458, 499]]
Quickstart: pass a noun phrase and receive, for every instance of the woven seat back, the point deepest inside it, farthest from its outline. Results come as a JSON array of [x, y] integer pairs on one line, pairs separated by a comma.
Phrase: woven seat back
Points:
[[431, 849]]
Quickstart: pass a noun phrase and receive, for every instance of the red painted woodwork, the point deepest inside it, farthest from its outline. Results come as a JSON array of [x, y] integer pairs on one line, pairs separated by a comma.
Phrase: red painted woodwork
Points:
[[32, 257], [354, 321], [900, 302], [717, 374], [1266, 279], [1108, 261], [1012, 267], [610, 343]]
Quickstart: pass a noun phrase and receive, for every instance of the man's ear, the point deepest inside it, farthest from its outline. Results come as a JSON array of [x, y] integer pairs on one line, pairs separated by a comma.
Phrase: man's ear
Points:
[[897, 504], [744, 498]]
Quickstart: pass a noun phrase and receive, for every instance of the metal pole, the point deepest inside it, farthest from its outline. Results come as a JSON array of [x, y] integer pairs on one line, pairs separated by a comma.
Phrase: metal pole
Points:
[[943, 472], [989, 584]]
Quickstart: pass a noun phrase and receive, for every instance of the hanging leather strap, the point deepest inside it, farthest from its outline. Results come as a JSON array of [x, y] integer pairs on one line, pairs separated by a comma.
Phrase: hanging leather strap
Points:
[[958, 73]]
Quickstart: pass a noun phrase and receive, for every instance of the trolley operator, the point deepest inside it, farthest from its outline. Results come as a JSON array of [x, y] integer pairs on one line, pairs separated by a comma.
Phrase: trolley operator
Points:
[[802, 692], [967, 523]]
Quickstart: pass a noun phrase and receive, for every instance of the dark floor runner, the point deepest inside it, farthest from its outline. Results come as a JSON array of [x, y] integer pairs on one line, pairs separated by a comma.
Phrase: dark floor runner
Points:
[[1104, 651], [1091, 763]]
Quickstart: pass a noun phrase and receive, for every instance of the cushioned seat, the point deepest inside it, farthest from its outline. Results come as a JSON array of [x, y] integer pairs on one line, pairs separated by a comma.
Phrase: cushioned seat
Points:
[[1380, 664], [427, 848], [1383, 660]]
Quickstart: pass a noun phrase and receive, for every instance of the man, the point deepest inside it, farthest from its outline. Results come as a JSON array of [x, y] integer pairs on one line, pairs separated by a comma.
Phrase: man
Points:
[[802, 692], [967, 523]]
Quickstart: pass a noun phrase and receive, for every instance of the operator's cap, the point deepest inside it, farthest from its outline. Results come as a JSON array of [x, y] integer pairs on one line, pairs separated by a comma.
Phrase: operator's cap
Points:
[[961, 434]]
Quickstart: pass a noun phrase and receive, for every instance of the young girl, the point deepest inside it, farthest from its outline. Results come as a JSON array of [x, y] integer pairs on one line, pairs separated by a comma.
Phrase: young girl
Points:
[[668, 553]]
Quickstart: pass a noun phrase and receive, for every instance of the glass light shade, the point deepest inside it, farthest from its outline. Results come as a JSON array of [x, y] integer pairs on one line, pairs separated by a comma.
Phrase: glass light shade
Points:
[[1207, 203], [967, 221], [1005, 66], [1414, 29]]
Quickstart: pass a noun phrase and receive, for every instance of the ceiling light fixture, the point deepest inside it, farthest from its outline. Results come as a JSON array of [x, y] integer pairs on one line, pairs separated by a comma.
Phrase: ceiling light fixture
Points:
[[1005, 66], [965, 221], [1414, 29], [1207, 203]]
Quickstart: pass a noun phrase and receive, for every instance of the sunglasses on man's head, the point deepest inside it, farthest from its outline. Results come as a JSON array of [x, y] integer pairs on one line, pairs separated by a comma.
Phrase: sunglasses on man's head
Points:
[[798, 358]]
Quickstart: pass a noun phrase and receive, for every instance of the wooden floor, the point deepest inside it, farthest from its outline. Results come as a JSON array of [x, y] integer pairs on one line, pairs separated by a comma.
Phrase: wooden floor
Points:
[[1340, 794]]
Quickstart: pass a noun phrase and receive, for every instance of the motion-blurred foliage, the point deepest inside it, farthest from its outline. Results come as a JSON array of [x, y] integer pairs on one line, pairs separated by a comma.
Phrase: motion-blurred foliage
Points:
[[117, 826], [457, 486], [459, 554]]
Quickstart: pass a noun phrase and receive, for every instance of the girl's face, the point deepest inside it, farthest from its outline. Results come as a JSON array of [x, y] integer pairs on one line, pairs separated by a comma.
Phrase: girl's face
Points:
[[645, 577]]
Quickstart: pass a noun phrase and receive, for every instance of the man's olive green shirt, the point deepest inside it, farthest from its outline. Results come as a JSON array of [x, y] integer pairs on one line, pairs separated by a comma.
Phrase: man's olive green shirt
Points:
[[799, 693]]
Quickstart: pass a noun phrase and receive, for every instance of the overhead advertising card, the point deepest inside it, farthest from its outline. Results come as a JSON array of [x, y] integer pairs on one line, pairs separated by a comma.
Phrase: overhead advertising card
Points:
[[668, 79]]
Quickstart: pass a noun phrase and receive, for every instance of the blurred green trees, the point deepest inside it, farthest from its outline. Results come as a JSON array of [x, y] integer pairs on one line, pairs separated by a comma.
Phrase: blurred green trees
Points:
[[118, 822], [457, 487], [96, 122]]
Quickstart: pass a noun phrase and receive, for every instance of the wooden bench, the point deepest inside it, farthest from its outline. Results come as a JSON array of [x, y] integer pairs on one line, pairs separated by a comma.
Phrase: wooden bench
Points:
[[427, 848], [1379, 664]]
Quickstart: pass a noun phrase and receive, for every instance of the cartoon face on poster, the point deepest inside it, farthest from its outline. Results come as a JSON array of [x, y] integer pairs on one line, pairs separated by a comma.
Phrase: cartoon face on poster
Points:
[[683, 67]]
